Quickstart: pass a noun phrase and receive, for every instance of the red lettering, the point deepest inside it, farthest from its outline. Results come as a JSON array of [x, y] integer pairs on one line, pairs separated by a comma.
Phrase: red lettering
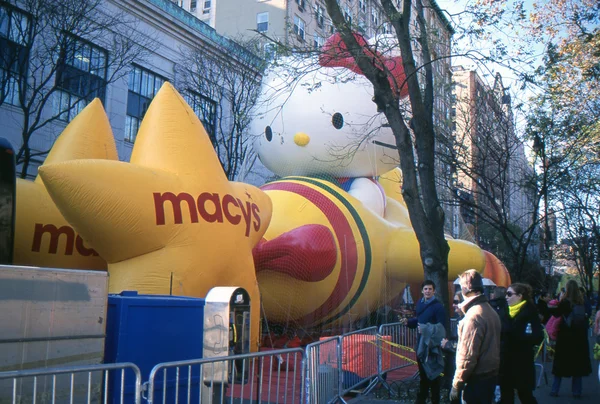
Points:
[[159, 206], [246, 215], [217, 216], [72, 240], [255, 212], [82, 249], [54, 234], [220, 208], [230, 200]]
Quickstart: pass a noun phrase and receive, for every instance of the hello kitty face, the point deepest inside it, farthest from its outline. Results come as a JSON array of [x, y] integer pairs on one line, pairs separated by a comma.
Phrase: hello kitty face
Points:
[[325, 123]]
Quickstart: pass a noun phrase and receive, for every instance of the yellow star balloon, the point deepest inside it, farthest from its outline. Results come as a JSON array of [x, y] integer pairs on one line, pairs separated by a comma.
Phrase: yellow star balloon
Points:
[[168, 222], [42, 235]]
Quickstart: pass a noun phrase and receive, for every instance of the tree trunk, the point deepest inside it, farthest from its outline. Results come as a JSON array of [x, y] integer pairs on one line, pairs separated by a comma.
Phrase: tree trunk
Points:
[[418, 172], [26, 160]]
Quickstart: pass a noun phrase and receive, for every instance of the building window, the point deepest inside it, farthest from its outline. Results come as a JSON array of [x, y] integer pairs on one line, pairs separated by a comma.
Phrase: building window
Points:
[[348, 14], [319, 42], [375, 18], [270, 51], [320, 15], [206, 110], [14, 37], [80, 76], [207, 5], [299, 27], [143, 86], [362, 25], [362, 5], [301, 4], [193, 5], [262, 22]]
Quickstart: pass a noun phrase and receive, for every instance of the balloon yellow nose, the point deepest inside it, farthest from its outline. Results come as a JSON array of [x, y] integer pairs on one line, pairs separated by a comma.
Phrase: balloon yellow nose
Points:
[[301, 139]]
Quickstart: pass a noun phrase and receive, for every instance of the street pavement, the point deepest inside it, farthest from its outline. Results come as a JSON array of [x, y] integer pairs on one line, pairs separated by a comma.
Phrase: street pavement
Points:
[[591, 390]]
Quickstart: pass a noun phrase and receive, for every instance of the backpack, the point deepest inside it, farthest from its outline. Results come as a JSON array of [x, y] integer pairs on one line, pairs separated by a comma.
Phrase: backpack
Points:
[[552, 327], [577, 317]]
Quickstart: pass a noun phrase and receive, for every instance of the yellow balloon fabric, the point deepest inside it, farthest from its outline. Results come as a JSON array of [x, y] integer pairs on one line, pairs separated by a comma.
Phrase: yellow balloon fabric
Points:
[[42, 235], [373, 254], [168, 222]]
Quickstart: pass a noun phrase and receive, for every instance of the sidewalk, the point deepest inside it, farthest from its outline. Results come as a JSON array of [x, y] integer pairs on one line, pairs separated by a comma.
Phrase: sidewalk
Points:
[[591, 390]]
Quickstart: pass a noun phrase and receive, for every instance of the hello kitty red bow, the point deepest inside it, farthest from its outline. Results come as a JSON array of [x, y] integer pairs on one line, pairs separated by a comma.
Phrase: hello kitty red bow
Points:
[[335, 54]]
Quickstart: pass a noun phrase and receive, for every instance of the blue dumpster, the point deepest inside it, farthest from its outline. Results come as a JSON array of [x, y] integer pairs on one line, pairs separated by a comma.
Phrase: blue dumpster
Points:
[[151, 329]]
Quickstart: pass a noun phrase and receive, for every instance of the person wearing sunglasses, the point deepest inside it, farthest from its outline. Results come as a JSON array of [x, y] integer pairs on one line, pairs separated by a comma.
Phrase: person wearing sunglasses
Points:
[[523, 334]]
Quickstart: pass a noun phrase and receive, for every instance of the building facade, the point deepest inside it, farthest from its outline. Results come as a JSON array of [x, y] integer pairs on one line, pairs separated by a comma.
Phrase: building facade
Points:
[[493, 174], [123, 67]]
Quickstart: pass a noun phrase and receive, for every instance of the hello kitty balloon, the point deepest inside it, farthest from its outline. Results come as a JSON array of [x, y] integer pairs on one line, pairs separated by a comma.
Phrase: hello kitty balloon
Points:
[[318, 119], [340, 234]]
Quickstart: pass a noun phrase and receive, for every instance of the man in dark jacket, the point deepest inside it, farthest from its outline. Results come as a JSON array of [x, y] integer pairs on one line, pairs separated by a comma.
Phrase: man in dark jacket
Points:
[[478, 349], [429, 311]]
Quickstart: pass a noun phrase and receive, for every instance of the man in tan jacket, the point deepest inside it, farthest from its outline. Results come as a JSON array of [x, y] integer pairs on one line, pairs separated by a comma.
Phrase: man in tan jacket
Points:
[[478, 349]]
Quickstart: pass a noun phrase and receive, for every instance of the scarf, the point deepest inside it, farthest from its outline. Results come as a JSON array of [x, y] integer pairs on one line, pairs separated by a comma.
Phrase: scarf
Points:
[[515, 309]]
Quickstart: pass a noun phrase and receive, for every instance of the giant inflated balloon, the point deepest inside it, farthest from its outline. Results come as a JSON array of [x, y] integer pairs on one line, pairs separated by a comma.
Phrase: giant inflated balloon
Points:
[[340, 234], [168, 222], [42, 235]]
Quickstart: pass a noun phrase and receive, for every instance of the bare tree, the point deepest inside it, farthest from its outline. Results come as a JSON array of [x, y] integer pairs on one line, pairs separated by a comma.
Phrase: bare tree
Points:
[[223, 91], [580, 214], [494, 186], [416, 147], [63, 54], [420, 133]]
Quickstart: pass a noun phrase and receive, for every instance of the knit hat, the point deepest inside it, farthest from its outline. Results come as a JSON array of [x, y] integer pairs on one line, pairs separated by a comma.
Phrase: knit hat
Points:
[[471, 281]]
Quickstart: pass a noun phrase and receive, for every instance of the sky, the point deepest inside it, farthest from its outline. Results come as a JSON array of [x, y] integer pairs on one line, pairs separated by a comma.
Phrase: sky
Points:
[[512, 39]]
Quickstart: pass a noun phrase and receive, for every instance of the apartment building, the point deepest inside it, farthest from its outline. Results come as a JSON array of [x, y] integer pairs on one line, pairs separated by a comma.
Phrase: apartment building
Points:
[[493, 172], [90, 64]]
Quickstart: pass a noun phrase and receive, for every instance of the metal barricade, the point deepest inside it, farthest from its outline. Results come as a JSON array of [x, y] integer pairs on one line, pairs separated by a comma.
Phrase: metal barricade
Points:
[[274, 376], [323, 363], [73, 384], [360, 356], [397, 346]]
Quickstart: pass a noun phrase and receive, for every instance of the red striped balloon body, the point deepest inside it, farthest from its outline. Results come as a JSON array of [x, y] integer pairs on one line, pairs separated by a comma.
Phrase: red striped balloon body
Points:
[[327, 261], [332, 289]]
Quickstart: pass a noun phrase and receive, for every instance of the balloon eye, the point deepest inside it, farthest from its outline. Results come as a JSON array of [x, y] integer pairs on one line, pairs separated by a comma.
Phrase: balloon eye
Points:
[[268, 133], [337, 120]]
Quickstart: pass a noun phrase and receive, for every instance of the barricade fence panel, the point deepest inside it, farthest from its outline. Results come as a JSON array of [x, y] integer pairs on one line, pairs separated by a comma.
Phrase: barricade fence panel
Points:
[[360, 357], [107, 383], [322, 373], [397, 343], [273, 377], [324, 362]]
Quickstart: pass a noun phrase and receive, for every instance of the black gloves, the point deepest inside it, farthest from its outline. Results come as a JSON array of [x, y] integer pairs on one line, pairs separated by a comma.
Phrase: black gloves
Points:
[[454, 394]]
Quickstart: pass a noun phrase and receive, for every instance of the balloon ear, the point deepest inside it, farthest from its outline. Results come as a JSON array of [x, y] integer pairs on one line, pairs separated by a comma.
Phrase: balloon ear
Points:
[[334, 53]]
